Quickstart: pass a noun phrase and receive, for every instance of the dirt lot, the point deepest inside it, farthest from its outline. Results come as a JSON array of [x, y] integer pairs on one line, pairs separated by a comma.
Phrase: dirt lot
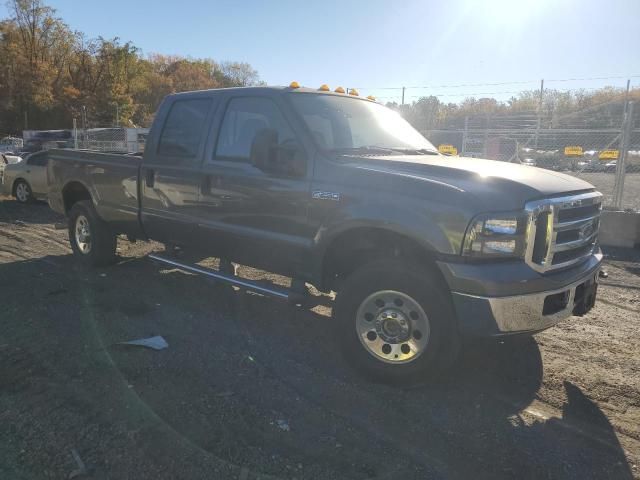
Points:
[[252, 388]]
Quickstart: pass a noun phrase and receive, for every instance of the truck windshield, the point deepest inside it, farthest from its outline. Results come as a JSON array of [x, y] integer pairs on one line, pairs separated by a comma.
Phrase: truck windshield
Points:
[[341, 123]]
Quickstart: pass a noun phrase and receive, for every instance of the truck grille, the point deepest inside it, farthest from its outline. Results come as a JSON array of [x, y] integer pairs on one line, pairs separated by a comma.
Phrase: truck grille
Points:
[[562, 231]]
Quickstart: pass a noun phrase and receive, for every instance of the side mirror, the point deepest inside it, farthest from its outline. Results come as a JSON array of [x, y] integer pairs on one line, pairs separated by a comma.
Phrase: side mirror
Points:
[[263, 149], [280, 159]]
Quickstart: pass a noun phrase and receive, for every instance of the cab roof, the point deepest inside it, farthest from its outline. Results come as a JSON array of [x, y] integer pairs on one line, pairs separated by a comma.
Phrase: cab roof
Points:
[[265, 90]]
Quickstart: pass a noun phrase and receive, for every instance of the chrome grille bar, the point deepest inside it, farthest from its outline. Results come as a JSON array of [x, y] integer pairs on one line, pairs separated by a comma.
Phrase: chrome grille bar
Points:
[[573, 224], [557, 216], [563, 247]]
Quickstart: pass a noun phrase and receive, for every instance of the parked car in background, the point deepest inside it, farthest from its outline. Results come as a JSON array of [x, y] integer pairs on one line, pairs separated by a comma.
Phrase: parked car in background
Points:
[[6, 159], [26, 179], [529, 162]]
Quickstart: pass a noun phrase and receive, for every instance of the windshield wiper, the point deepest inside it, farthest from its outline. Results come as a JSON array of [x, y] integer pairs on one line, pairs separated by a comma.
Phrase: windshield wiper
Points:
[[386, 150], [364, 148], [417, 151]]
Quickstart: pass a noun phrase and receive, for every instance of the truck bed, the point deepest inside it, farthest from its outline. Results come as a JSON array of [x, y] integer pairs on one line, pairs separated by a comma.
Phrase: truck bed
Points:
[[111, 179]]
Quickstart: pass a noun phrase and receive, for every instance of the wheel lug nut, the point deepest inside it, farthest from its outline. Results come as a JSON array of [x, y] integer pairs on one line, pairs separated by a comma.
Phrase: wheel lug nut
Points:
[[394, 315]]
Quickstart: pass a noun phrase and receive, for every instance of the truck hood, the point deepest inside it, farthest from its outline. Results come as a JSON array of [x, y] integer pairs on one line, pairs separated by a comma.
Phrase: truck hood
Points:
[[496, 185]]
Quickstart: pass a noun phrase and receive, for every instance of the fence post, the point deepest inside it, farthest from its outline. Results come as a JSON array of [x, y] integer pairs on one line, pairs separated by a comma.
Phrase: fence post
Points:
[[486, 137], [75, 134], [539, 113], [465, 135], [618, 188]]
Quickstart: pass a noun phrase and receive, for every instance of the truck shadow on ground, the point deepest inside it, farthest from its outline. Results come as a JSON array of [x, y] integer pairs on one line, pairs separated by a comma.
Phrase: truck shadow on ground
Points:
[[36, 212], [271, 357]]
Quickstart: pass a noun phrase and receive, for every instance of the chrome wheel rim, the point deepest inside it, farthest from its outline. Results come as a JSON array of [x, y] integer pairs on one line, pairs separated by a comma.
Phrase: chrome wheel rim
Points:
[[83, 234], [22, 192], [392, 327]]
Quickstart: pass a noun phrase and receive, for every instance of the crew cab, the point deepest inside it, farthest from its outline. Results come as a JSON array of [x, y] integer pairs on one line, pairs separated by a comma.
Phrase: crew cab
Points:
[[340, 192]]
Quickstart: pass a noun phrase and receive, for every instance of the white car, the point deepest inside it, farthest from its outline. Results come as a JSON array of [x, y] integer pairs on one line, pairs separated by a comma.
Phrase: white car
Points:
[[6, 159], [27, 178]]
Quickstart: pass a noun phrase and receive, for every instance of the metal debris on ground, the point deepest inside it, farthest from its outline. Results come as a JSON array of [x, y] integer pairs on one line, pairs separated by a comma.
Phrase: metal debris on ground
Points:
[[156, 343], [283, 425], [224, 394], [82, 469]]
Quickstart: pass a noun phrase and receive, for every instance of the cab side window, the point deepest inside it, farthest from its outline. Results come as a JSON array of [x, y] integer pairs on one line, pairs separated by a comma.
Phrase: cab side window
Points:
[[184, 128], [244, 118]]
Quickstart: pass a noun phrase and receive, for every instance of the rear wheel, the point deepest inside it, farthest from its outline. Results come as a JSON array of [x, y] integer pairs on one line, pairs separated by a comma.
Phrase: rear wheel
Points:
[[23, 192], [396, 322], [92, 240]]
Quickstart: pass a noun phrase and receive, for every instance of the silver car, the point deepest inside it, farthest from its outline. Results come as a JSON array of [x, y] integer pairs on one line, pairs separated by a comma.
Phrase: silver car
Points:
[[26, 179]]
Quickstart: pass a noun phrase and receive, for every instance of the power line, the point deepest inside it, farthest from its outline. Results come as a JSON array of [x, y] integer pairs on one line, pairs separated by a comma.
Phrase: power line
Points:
[[520, 82]]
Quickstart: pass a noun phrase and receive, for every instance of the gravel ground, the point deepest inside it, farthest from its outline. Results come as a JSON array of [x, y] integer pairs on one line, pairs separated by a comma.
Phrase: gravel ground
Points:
[[604, 182], [252, 388]]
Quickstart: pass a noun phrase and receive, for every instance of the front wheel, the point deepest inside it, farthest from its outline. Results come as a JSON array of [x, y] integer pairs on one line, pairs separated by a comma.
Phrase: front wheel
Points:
[[23, 192], [92, 240], [396, 322]]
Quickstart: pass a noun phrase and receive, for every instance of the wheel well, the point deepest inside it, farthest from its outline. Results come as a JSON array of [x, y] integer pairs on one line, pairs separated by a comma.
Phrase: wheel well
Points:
[[73, 193], [356, 247]]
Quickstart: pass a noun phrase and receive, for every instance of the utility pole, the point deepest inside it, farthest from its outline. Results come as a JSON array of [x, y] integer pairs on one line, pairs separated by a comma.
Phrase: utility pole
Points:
[[26, 120], [402, 95], [117, 115]]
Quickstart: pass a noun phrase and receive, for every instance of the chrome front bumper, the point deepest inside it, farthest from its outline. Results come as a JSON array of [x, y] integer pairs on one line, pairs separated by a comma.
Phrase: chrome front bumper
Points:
[[495, 316]]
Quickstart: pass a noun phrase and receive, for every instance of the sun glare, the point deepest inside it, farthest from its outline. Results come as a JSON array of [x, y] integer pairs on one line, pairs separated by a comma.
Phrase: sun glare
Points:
[[508, 13]]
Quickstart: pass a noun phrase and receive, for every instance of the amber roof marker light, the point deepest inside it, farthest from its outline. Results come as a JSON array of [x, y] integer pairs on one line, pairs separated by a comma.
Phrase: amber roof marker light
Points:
[[353, 92], [339, 90], [324, 88], [294, 85]]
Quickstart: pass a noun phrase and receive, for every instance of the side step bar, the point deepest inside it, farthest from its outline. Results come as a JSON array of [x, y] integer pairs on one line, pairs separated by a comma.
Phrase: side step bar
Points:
[[251, 285]]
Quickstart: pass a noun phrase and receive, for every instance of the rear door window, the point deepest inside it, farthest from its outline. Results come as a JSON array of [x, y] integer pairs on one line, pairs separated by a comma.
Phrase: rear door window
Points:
[[183, 131], [38, 159]]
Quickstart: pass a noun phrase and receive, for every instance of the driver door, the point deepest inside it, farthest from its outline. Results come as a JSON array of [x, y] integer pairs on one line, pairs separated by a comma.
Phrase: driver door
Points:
[[252, 216]]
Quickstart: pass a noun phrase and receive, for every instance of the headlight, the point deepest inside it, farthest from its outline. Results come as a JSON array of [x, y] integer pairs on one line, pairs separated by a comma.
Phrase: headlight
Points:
[[496, 235]]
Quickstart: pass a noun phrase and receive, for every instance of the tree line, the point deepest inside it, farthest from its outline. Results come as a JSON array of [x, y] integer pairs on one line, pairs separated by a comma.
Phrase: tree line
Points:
[[600, 108], [50, 74]]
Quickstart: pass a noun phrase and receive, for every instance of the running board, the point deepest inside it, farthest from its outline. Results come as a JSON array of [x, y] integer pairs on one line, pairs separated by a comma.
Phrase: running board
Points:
[[251, 285]]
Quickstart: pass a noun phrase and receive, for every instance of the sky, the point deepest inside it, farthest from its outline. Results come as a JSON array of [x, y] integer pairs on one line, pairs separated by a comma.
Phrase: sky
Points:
[[379, 46]]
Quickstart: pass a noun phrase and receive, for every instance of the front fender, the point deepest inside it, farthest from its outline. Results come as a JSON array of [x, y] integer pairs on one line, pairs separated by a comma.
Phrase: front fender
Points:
[[439, 229]]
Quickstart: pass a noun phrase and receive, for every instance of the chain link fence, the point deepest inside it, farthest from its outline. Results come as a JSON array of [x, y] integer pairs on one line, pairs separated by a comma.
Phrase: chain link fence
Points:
[[121, 140], [607, 158], [125, 140]]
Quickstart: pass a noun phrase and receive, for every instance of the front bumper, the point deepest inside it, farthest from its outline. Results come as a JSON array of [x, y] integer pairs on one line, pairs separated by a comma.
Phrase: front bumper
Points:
[[489, 316]]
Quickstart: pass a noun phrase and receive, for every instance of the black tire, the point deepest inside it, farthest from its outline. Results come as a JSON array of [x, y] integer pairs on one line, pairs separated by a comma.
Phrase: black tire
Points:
[[424, 288], [102, 240], [22, 192]]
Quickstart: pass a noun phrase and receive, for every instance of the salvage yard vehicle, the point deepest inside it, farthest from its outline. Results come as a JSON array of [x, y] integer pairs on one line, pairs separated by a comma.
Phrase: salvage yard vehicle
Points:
[[26, 180], [6, 159], [340, 192]]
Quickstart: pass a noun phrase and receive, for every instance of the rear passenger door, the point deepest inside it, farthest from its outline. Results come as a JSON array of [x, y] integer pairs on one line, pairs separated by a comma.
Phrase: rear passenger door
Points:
[[170, 174]]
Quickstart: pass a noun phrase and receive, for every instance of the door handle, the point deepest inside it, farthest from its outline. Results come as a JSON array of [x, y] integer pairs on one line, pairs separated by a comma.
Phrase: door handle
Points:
[[209, 181], [150, 178]]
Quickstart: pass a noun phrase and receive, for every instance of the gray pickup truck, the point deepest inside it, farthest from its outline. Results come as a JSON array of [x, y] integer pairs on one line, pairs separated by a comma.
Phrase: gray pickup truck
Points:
[[340, 192]]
